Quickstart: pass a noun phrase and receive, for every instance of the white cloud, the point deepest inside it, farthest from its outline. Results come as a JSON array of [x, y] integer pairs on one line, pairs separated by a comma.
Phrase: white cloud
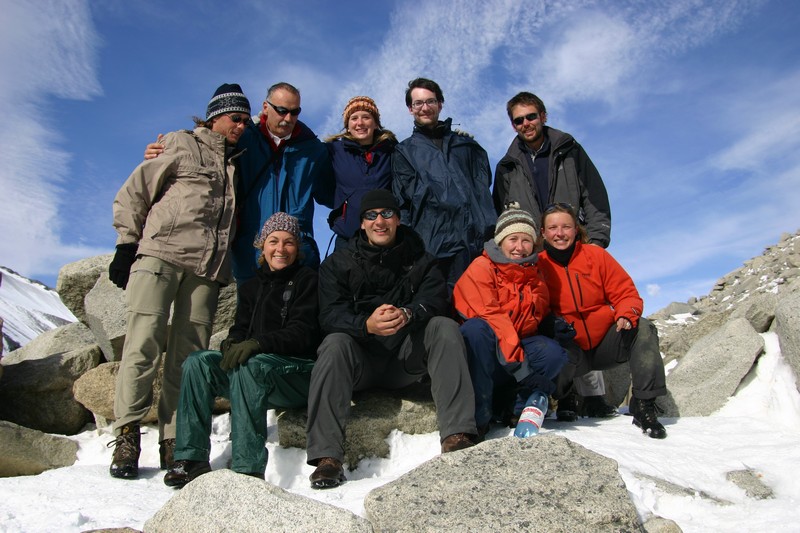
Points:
[[50, 55], [653, 289]]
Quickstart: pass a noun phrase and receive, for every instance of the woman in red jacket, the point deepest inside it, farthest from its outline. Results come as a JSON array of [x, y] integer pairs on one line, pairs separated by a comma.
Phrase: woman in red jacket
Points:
[[589, 289], [502, 299]]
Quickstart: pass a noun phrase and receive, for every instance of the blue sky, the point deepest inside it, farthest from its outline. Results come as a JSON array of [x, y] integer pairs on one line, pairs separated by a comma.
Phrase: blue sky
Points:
[[689, 109]]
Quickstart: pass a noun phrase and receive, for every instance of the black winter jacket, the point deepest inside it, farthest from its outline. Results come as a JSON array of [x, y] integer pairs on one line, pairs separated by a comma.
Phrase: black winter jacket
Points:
[[573, 180], [444, 193], [356, 280], [259, 317]]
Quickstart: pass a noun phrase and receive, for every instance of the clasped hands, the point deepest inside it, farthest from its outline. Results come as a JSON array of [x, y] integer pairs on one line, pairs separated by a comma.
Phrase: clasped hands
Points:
[[386, 320]]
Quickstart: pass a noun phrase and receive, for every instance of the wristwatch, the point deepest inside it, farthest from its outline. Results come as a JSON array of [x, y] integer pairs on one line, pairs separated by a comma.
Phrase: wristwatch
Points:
[[407, 313]]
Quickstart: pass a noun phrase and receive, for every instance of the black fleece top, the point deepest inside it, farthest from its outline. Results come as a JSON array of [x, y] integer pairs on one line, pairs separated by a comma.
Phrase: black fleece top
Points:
[[258, 312]]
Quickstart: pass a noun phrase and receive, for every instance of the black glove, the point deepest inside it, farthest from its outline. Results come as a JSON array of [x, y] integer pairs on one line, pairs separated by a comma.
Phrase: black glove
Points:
[[563, 331], [239, 353], [120, 268]]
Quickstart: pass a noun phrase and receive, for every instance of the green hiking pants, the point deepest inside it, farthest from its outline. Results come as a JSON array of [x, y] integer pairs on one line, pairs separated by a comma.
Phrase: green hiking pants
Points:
[[265, 381]]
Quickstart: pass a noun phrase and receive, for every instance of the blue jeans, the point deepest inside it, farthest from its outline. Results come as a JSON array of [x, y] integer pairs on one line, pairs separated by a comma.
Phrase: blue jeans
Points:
[[489, 370]]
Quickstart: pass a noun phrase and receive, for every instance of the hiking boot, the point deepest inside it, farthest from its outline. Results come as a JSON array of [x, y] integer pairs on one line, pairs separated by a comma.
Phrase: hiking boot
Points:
[[455, 442], [329, 474], [183, 471], [598, 407], [567, 408], [127, 447], [166, 450], [645, 415]]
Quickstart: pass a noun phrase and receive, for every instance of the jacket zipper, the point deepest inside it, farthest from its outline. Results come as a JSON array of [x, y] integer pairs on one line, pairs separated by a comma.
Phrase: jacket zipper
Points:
[[575, 303]]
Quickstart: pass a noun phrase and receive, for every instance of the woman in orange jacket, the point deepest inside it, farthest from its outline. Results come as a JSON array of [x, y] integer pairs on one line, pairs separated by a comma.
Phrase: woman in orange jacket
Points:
[[502, 299], [590, 290]]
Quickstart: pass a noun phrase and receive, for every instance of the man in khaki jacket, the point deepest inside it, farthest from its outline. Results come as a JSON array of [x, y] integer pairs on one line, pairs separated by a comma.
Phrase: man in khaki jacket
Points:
[[175, 222]]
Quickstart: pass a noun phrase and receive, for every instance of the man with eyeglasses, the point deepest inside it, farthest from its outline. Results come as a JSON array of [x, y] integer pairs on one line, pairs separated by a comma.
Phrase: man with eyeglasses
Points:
[[545, 166], [384, 307], [175, 220], [442, 179], [284, 167]]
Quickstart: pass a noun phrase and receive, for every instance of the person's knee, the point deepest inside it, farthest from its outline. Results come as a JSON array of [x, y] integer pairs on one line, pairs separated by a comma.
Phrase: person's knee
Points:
[[338, 350], [199, 361], [475, 330]]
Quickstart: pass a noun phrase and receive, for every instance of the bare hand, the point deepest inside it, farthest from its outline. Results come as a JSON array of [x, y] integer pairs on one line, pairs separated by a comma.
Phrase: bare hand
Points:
[[386, 320], [152, 150], [623, 323]]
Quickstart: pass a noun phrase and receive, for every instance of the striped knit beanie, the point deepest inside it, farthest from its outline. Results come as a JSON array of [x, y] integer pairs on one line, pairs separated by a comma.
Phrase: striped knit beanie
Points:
[[361, 103], [228, 98], [514, 220]]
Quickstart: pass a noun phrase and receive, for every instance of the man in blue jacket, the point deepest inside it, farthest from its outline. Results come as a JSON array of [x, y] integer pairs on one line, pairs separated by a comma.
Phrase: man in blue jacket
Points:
[[284, 167], [442, 180]]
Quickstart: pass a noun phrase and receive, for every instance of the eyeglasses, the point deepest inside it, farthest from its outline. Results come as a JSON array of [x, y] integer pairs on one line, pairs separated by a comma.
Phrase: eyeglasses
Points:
[[418, 104], [558, 205], [283, 110], [373, 215], [530, 117], [236, 119]]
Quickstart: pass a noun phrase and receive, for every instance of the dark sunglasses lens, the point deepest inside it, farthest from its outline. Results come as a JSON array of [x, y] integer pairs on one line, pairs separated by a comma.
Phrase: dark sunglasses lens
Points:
[[387, 213], [237, 118], [530, 117], [370, 215]]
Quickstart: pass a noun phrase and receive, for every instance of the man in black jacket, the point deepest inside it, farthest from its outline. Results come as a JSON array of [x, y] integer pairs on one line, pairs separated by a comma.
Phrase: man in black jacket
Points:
[[383, 304], [544, 166]]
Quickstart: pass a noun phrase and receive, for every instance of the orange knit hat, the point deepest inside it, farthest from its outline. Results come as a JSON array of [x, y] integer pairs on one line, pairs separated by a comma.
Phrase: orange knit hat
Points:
[[361, 103]]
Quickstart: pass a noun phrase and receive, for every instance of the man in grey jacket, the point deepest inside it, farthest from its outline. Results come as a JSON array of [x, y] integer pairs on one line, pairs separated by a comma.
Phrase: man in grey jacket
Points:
[[544, 166], [175, 222]]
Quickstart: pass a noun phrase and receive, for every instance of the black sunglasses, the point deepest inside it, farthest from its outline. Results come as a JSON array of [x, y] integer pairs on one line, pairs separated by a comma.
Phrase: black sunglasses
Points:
[[558, 205], [283, 110], [238, 118], [530, 117], [373, 215]]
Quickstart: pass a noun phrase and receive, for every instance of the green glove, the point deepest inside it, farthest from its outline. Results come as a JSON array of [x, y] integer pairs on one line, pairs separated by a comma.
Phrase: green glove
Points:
[[239, 353], [224, 345]]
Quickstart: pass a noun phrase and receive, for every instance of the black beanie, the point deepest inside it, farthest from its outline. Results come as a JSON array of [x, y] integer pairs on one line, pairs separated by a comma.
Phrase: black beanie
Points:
[[229, 98], [378, 199]]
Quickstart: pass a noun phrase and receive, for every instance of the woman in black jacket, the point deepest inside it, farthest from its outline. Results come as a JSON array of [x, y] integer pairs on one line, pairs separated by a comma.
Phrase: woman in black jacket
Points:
[[265, 362]]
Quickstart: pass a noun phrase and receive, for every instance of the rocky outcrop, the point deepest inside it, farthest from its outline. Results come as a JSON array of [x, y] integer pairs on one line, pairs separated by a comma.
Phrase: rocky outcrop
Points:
[[95, 391], [37, 393], [76, 279], [713, 368], [714, 342], [57, 341], [373, 415], [226, 501], [106, 315], [27, 452], [482, 489]]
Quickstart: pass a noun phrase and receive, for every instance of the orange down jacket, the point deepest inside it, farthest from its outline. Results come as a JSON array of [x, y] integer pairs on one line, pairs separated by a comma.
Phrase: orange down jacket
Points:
[[512, 298], [592, 292]]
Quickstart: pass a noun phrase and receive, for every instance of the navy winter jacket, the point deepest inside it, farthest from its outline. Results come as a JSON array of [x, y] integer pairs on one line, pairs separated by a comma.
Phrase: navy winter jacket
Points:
[[357, 170], [444, 194]]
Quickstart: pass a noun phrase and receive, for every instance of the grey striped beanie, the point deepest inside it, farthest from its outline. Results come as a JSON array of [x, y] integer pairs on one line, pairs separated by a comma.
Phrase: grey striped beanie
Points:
[[514, 220], [228, 98]]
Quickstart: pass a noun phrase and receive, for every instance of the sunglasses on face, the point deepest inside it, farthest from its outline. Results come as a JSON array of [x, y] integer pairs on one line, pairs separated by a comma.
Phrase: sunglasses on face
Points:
[[530, 117], [373, 215], [283, 110], [236, 119]]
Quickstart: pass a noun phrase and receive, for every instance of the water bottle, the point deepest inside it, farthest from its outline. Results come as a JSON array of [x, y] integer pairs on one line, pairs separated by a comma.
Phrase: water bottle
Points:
[[530, 421]]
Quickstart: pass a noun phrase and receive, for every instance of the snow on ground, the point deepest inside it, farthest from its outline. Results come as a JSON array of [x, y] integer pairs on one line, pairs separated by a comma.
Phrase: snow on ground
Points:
[[29, 308], [758, 429]]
